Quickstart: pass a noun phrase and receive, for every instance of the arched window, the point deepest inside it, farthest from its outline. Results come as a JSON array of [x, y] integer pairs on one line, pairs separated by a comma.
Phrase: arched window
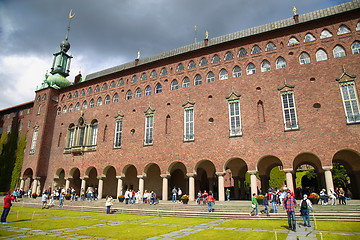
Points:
[[174, 85], [163, 71], [256, 49], [97, 88], [138, 93], [325, 34], [112, 84], [76, 94], [107, 99], [309, 38], [129, 95], [99, 102], [228, 56], [94, 130], [105, 86], [153, 74], [197, 80], [270, 46], [121, 82], [304, 58], [236, 72], [84, 105], [82, 92], [191, 65], [355, 47], [90, 90], [116, 98], [280, 63], [134, 79], [143, 76], [293, 41], [242, 53], [215, 59], [210, 77], [64, 109], [343, 30], [321, 55], [69, 96], [71, 108], [180, 67], [158, 88], [147, 91], [250, 69], [223, 75], [92, 103], [58, 112], [265, 66], [339, 51], [77, 106], [186, 82], [358, 26], [203, 62]]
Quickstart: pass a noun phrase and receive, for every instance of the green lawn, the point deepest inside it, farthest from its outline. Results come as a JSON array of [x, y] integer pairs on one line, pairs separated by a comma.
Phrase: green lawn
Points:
[[226, 234], [181, 221]]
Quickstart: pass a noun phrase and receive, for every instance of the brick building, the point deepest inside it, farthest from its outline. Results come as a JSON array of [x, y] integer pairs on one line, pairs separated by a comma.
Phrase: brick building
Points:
[[281, 94]]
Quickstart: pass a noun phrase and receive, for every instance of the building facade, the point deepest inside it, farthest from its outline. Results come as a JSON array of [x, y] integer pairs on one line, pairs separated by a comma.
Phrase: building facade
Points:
[[281, 94]]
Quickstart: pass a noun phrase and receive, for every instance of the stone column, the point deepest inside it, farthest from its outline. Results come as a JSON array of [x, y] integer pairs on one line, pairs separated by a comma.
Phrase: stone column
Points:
[[141, 184], [22, 183], [165, 186], [34, 185], [38, 186], [67, 183], [100, 187], [120, 185], [253, 184], [191, 186], [328, 178], [221, 186], [83, 183], [289, 179]]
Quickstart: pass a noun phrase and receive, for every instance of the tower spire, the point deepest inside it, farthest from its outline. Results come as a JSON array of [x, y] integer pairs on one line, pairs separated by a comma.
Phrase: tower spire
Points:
[[68, 29]]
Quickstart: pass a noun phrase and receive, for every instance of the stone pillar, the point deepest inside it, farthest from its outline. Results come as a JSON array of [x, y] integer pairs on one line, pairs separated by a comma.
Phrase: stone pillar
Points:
[[38, 186], [236, 187], [289, 179], [22, 183], [328, 178], [34, 185], [221, 186], [83, 183], [120, 185], [100, 187], [253, 184], [191, 186], [67, 183], [165, 186], [141, 184]]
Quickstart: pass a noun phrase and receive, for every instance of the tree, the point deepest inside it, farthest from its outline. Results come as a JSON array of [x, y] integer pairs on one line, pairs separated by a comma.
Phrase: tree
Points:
[[340, 176], [277, 178]]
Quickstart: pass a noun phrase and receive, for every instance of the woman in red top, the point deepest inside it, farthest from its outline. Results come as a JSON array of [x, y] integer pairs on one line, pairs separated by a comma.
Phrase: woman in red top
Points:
[[210, 201], [7, 205]]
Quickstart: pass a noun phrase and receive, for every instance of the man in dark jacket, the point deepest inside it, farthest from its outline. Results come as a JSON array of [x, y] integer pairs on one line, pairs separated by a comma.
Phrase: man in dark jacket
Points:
[[7, 205], [266, 204]]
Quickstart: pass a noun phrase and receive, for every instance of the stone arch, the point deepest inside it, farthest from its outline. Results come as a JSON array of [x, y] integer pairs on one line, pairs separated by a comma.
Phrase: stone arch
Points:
[[153, 180], [205, 178], [28, 178], [234, 179], [110, 182], [131, 181], [350, 159], [264, 167], [59, 178], [178, 178], [75, 181], [91, 177]]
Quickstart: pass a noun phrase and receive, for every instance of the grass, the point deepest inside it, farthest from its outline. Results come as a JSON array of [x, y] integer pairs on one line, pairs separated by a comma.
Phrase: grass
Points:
[[337, 237], [338, 226], [181, 221], [256, 224]]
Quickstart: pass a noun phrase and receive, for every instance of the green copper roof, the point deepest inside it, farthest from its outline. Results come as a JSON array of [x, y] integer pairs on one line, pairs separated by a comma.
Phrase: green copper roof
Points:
[[57, 81]]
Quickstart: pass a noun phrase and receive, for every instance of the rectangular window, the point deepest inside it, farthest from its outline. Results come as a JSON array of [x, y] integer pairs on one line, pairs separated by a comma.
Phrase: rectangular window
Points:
[[9, 128], [20, 126], [149, 126], [71, 137], [350, 101], [189, 124], [81, 136], [234, 118], [289, 111], [33, 142], [118, 133], [94, 130]]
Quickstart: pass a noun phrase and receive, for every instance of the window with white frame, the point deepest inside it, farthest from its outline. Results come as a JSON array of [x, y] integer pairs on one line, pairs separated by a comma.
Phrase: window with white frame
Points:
[[107, 99], [147, 91], [293, 41], [280, 63], [77, 106], [242, 52], [358, 26], [94, 131], [174, 85], [343, 30], [84, 106], [158, 88], [250, 69], [99, 101], [191, 65], [304, 58], [309, 38], [153, 74], [58, 111], [138, 93], [355, 47], [198, 80], [180, 67], [339, 51], [321, 55], [228, 56], [149, 125], [189, 124], [39, 110], [350, 101], [256, 49], [92, 103], [223, 75], [210, 77], [118, 133], [236, 72], [163, 71], [186, 82], [143, 76], [289, 111], [134, 79], [33, 142], [265, 66], [215, 59], [270, 46], [129, 95], [81, 136], [71, 108], [325, 34], [116, 98], [71, 132], [64, 109], [234, 117], [203, 62]]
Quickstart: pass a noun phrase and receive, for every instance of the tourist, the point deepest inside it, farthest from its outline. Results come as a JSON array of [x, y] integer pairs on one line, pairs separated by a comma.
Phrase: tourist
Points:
[[179, 194], [153, 198], [7, 206], [133, 196], [127, 196], [82, 194], [44, 200], [305, 206], [73, 194], [324, 198], [198, 199], [174, 194], [95, 193], [290, 205], [15, 193], [274, 201], [342, 198], [266, 204], [228, 194], [210, 201], [51, 199], [61, 198], [108, 203], [204, 196], [254, 205], [332, 196]]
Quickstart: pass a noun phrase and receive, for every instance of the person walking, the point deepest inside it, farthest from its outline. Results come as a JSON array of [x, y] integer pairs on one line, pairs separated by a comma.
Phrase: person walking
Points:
[[7, 205], [254, 205], [266, 204], [174, 194], [210, 201], [108, 203], [61, 198], [44, 198], [274, 200], [290, 205], [228, 194], [305, 206], [179, 194]]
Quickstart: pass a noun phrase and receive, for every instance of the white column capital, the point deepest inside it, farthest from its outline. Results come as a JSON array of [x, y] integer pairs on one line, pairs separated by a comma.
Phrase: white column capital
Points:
[[327, 168], [37, 178], [141, 176], [101, 178], [288, 170], [84, 178], [252, 172], [165, 176], [191, 175], [220, 174], [120, 177]]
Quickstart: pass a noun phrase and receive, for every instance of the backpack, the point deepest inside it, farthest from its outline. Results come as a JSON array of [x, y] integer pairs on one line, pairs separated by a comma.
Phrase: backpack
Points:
[[304, 204], [274, 197]]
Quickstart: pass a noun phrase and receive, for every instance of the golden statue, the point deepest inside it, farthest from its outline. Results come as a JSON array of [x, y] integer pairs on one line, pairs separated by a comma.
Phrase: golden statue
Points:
[[206, 35], [138, 55], [294, 11]]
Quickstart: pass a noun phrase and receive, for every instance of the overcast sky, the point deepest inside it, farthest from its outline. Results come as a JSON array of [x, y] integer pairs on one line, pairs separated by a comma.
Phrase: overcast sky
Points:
[[108, 33]]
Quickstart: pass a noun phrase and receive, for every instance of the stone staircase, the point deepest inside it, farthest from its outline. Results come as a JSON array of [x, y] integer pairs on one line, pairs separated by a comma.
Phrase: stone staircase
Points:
[[231, 209]]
